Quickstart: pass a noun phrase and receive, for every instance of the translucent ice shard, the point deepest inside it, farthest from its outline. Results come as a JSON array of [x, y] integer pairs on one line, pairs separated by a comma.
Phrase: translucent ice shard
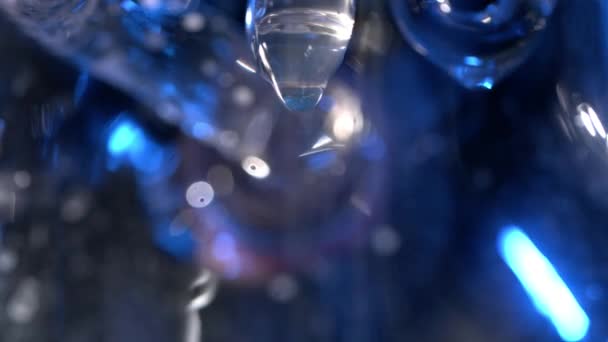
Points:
[[299, 45]]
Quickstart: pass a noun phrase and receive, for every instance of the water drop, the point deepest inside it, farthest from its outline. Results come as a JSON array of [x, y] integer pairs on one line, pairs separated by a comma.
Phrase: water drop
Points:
[[8, 260], [75, 207], [256, 167], [478, 42], [385, 241], [200, 194], [299, 45], [193, 22], [22, 179], [283, 288]]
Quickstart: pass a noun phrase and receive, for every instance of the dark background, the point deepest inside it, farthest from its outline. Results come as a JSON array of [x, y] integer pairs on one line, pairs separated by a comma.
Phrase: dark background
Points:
[[459, 166]]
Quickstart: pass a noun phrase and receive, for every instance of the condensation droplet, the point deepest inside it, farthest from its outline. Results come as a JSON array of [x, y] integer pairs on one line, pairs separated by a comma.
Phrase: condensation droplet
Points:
[[75, 208], [193, 22], [155, 40], [209, 68], [229, 139], [200, 194], [8, 260], [22, 179], [256, 167], [283, 288], [243, 96], [385, 241]]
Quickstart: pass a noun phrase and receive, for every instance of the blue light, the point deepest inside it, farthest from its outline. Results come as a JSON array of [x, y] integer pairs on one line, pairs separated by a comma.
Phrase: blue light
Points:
[[169, 89], [549, 293], [472, 61], [79, 6], [176, 240], [248, 17], [148, 157], [321, 160], [487, 83], [128, 5], [225, 251], [128, 144], [373, 148], [122, 138], [81, 87], [202, 130]]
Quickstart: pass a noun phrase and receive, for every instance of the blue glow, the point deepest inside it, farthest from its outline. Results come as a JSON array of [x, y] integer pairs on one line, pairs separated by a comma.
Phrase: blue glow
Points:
[[225, 251], [321, 160], [205, 95], [327, 103], [549, 293], [128, 5], [81, 86], [487, 83], [373, 148], [79, 6], [148, 156], [248, 17], [169, 89], [472, 61], [222, 48], [123, 137], [177, 241], [202, 130], [128, 143], [2, 126]]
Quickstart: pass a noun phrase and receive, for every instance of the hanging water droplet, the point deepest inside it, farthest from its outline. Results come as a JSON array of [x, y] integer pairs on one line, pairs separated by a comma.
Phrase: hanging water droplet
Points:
[[478, 42], [299, 44]]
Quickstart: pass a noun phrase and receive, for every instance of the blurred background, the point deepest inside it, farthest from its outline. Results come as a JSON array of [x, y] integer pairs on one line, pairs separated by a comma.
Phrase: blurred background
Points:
[[448, 186]]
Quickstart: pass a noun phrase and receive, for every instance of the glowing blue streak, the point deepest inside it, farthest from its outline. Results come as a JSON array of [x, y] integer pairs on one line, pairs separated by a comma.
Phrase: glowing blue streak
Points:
[[550, 295]]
